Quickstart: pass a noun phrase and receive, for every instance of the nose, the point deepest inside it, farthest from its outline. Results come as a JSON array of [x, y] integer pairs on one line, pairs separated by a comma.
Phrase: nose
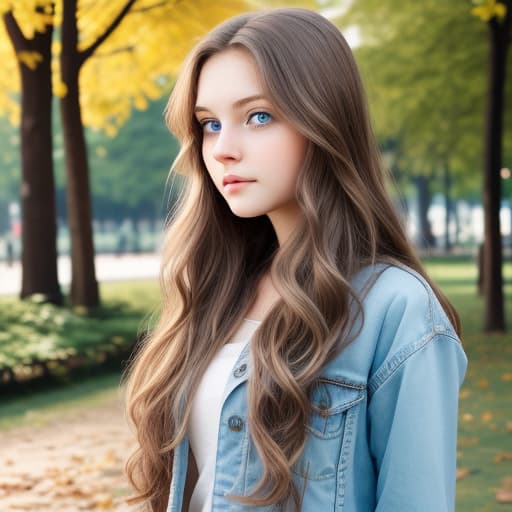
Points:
[[227, 146]]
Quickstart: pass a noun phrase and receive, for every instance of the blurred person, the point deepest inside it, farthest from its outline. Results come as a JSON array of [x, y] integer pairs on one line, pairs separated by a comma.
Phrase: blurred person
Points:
[[9, 251]]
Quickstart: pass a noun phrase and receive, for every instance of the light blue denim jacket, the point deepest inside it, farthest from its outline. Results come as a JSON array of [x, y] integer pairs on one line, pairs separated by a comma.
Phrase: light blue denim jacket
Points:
[[386, 441]]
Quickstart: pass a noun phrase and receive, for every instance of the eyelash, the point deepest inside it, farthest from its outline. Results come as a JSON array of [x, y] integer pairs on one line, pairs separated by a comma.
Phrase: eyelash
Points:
[[205, 122]]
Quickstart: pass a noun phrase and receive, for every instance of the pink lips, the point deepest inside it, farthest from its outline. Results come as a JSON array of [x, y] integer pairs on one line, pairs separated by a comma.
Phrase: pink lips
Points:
[[233, 178]]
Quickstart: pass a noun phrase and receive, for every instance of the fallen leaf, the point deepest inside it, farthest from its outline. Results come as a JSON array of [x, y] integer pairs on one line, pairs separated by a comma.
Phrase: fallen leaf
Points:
[[500, 457], [462, 473], [464, 442], [109, 458], [506, 377], [468, 417], [504, 495], [487, 416], [44, 486], [15, 484], [483, 383], [509, 426], [464, 393], [63, 481], [104, 502]]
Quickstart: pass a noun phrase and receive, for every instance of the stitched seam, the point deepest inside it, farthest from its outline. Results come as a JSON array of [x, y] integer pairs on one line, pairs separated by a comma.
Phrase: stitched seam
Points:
[[389, 368], [342, 383], [346, 446]]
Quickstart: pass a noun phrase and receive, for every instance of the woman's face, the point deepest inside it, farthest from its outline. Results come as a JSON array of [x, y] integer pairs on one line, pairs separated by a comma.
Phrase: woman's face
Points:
[[243, 136]]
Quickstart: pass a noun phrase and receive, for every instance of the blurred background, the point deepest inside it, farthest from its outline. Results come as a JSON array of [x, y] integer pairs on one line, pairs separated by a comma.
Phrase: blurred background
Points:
[[84, 160]]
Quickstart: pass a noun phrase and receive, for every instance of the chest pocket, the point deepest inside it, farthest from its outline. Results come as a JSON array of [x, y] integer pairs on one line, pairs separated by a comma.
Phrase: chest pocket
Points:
[[330, 428]]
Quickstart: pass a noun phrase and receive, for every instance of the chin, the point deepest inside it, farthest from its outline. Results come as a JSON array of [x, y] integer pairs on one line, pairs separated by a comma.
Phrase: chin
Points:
[[247, 213]]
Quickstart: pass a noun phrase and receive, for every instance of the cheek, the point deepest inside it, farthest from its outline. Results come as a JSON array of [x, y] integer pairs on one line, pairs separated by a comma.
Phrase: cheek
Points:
[[208, 159], [209, 163], [293, 153]]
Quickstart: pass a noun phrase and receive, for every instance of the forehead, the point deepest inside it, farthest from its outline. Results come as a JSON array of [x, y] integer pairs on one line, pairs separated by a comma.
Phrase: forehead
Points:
[[227, 76]]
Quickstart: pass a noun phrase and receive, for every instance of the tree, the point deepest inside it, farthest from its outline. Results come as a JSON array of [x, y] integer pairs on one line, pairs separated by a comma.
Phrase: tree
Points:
[[142, 46], [39, 255], [498, 16], [128, 180], [84, 287], [426, 60]]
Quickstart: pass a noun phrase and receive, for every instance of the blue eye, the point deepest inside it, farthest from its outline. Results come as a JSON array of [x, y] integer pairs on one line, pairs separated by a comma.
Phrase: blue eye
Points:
[[214, 126], [261, 118]]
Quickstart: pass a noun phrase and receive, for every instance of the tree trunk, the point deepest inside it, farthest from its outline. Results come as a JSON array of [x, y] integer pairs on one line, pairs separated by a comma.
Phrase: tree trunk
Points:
[[456, 218], [448, 207], [494, 319], [39, 229], [480, 278], [84, 287], [425, 237]]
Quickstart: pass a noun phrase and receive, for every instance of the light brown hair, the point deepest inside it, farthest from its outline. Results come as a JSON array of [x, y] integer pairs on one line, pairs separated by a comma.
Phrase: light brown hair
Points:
[[349, 222]]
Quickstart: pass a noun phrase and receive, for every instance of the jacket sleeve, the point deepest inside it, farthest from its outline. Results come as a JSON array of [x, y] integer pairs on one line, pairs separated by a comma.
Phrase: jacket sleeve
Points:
[[412, 415]]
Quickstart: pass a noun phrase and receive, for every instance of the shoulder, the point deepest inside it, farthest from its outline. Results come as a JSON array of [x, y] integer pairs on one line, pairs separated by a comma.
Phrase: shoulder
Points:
[[398, 294], [401, 311]]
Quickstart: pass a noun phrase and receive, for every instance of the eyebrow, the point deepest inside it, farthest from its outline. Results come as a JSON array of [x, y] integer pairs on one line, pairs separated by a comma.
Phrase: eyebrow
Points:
[[236, 104]]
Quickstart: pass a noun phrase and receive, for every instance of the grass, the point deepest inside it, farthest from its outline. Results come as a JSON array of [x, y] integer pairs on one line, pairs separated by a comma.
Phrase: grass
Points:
[[36, 409], [485, 412], [485, 407]]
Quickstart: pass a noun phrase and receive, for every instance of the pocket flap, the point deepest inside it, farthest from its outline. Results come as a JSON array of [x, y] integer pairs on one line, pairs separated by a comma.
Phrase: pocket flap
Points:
[[330, 396]]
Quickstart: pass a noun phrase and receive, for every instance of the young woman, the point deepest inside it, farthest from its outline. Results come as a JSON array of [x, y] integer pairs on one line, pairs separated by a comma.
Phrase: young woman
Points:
[[303, 360]]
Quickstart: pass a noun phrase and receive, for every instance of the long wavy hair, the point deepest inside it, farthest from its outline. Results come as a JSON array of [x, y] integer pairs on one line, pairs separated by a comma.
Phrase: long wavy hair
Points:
[[212, 259]]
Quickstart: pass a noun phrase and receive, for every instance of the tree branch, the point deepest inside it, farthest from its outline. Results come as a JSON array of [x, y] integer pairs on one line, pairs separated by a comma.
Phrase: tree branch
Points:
[[128, 49], [85, 54], [151, 7], [508, 21], [19, 41]]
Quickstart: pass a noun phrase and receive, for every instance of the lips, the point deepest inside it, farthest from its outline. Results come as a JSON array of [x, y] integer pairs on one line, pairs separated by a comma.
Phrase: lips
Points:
[[231, 178]]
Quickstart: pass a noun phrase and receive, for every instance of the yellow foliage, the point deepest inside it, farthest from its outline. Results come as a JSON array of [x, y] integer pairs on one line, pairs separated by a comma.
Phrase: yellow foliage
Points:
[[9, 79], [101, 151], [30, 59], [30, 20], [136, 63], [56, 48], [140, 102], [488, 9], [60, 89], [110, 130]]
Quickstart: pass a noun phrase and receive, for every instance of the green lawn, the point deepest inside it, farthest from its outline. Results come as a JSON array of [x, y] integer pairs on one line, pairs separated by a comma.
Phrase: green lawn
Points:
[[36, 409], [485, 420]]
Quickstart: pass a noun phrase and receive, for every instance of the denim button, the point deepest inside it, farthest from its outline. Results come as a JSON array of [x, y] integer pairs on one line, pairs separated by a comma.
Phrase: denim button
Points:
[[236, 423], [240, 370]]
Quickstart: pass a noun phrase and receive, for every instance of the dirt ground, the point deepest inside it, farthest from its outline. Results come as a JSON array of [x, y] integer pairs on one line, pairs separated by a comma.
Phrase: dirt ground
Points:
[[71, 462]]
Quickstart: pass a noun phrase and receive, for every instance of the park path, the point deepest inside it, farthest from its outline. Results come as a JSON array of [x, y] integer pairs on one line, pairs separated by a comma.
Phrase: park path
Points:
[[73, 462], [109, 267]]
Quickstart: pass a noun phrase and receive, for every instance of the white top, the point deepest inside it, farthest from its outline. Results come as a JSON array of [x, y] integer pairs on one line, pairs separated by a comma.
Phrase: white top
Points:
[[204, 419]]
